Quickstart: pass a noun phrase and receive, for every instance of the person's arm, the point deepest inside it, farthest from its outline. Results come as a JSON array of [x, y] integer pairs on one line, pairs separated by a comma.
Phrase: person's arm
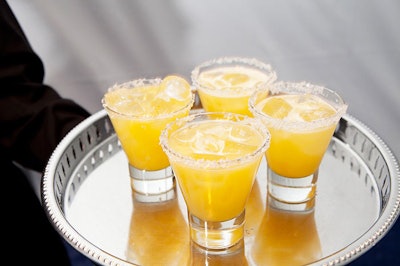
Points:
[[33, 116]]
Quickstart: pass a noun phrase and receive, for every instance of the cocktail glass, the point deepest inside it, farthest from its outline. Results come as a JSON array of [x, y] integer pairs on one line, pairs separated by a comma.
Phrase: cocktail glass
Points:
[[139, 110], [301, 118], [225, 84], [215, 158]]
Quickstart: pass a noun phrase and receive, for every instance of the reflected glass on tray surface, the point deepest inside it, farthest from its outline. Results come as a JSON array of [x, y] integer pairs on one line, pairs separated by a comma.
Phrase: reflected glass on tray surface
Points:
[[158, 227], [286, 237], [233, 256], [139, 110]]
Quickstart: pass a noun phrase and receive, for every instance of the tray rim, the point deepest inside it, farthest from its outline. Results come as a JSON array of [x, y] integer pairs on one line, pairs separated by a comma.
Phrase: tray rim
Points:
[[359, 246]]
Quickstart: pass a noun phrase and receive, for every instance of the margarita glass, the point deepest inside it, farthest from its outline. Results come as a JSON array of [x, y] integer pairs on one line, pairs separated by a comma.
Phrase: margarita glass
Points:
[[301, 118], [225, 84], [139, 110], [215, 158]]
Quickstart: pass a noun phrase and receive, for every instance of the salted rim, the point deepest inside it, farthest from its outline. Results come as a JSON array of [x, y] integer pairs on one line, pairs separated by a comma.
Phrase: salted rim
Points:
[[232, 61], [221, 163], [136, 83], [298, 88]]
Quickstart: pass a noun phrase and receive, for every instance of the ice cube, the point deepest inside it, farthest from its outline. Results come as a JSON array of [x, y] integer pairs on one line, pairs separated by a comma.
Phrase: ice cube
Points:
[[219, 131], [208, 144], [174, 87], [276, 107], [236, 78]]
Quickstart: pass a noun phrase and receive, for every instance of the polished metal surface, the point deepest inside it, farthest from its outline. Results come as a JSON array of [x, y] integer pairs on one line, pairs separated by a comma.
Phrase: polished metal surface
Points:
[[87, 195]]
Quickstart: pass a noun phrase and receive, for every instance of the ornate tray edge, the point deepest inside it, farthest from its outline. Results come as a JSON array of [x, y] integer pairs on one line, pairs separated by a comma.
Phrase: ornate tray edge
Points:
[[54, 205], [390, 213]]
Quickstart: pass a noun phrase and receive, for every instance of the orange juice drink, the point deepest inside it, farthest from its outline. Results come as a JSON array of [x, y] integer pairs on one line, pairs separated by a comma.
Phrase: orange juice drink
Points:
[[225, 84], [206, 187], [301, 118], [139, 110], [297, 153], [215, 158]]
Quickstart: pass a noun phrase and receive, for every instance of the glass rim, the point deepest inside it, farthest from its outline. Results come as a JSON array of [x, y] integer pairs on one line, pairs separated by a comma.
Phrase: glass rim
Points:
[[255, 123], [136, 83], [298, 88], [250, 62]]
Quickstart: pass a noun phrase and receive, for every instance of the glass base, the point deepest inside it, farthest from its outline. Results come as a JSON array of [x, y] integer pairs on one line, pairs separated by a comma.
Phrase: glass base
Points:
[[234, 255], [154, 198], [304, 207], [151, 182], [216, 235], [292, 190]]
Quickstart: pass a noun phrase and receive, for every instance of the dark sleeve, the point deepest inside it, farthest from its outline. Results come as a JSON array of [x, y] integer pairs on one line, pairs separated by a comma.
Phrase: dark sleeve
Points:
[[33, 116]]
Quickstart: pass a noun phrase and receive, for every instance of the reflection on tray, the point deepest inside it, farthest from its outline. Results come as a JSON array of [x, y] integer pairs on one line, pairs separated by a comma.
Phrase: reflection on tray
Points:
[[286, 238], [234, 256], [158, 232], [254, 210], [86, 191], [159, 235]]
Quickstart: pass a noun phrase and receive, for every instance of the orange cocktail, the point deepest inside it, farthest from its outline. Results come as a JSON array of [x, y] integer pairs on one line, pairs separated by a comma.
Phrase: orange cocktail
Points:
[[215, 158], [139, 110], [301, 118], [225, 84]]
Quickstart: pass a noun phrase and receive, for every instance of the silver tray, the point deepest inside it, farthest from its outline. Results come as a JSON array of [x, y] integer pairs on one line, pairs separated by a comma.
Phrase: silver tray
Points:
[[87, 196]]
